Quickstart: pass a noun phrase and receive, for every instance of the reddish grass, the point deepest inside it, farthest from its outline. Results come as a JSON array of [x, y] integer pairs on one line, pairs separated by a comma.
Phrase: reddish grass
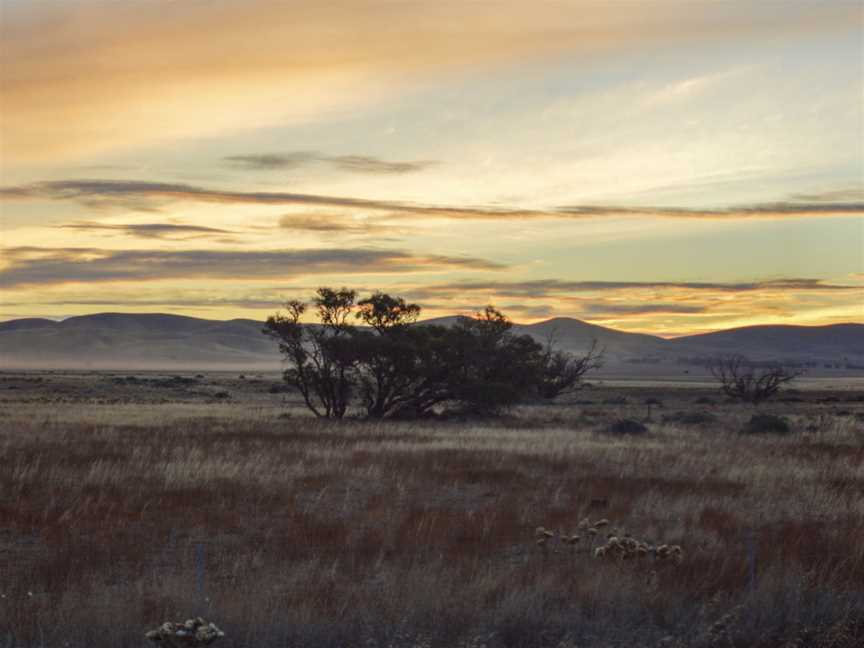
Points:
[[306, 533]]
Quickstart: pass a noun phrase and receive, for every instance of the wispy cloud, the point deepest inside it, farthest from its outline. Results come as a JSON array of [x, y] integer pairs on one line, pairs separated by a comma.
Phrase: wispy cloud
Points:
[[556, 287], [848, 195], [272, 161], [333, 224], [351, 163], [30, 266], [650, 306], [367, 164], [606, 310], [87, 76], [139, 195], [150, 230]]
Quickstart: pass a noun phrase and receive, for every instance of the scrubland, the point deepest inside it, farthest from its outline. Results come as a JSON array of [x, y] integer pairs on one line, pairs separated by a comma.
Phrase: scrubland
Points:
[[127, 503]]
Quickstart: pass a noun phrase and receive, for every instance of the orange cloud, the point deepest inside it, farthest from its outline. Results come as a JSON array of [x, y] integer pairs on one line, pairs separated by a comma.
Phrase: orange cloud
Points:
[[141, 195], [79, 78]]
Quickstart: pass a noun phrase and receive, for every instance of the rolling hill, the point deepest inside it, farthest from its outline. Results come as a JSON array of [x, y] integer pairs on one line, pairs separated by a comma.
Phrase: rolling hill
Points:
[[161, 341]]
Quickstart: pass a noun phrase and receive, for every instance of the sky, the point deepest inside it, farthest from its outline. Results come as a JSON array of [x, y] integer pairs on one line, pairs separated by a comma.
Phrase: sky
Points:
[[661, 166]]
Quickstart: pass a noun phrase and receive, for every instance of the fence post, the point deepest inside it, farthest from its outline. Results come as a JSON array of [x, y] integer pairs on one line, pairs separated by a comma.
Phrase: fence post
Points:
[[200, 568], [751, 557]]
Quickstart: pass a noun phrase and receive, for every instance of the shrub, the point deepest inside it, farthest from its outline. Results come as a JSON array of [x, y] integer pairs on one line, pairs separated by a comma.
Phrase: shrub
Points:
[[562, 372], [742, 379], [766, 424], [626, 427], [691, 418]]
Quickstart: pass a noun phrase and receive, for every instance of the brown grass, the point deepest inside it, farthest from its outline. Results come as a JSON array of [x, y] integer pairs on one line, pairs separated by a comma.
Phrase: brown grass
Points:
[[294, 532]]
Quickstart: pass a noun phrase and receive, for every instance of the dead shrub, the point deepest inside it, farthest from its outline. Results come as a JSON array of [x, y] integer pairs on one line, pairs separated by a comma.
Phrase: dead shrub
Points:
[[766, 424], [626, 427]]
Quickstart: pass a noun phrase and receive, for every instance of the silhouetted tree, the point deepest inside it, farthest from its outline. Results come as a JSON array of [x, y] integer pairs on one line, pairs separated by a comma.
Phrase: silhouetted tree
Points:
[[396, 367], [321, 358], [742, 380], [491, 368], [388, 354], [562, 372]]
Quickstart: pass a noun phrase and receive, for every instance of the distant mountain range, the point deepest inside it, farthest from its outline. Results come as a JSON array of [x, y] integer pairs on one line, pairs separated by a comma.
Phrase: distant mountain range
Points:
[[172, 342]]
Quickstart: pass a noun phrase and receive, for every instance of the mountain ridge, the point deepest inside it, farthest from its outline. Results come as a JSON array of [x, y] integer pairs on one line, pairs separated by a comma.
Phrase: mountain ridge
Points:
[[163, 340]]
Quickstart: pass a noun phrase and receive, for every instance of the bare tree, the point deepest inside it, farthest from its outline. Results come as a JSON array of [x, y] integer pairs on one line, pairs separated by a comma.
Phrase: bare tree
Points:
[[743, 380], [562, 372]]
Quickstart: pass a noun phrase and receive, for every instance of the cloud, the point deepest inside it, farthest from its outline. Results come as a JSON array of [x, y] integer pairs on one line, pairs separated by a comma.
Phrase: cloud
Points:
[[170, 302], [332, 224], [657, 306], [89, 76], [366, 164], [150, 230], [556, 287], [351, 163], [271, 161], [770, 210], [602, 309], [140, 195], [851, 194], [31, 266]]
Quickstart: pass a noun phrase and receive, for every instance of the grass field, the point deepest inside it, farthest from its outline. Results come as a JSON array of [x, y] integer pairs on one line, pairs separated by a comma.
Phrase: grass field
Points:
[[128, 502]]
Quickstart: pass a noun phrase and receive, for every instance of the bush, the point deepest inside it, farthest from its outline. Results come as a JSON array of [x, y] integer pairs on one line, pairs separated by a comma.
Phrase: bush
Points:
[[741, 379], [691, 418], [766, 424], [626, 427]]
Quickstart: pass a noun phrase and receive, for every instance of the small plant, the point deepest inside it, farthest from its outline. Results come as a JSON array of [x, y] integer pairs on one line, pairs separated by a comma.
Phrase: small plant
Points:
[[691, 418], [626, 427], [766, 424], [188, 634], [617, 547]]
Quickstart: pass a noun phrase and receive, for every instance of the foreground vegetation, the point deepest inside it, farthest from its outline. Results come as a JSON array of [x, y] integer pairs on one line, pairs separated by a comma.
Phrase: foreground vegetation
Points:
[[168, 500]]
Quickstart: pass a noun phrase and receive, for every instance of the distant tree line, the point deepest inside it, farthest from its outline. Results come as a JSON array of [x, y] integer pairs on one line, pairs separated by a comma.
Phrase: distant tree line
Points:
[[391, 366]]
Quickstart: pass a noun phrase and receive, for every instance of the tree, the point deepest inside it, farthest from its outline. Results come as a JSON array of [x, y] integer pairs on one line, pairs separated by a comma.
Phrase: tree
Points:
[[387, 314], [743, 380], [489, 367], [321, 358], [562, 372], [395, 367], [388, 355]]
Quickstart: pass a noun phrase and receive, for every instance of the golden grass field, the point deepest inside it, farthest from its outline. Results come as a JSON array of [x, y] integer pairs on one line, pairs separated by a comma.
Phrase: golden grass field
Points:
[[127, 503]]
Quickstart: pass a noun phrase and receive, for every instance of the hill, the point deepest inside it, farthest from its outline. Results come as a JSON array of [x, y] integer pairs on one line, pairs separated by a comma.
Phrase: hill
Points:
[[765, 342], [162, 341]]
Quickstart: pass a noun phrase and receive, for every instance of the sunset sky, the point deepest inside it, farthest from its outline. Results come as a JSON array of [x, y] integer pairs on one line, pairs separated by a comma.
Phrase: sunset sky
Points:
[[663, 166]]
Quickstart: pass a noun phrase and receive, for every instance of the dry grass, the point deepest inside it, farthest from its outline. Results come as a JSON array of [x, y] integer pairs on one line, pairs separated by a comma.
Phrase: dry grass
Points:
[[115, 516]]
